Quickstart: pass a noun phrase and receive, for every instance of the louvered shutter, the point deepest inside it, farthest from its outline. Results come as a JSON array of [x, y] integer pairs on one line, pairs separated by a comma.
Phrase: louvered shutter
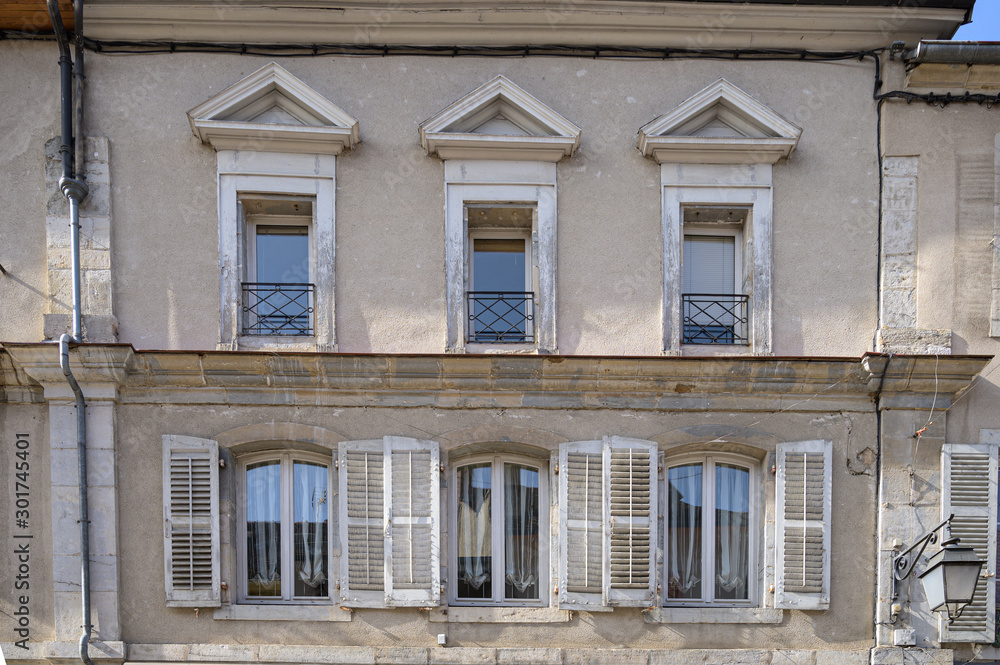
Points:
[[191, 521], [362, 512], [630, 524], [969, 491], [802, 560], [581, 525], [390, 529], [412, 515]]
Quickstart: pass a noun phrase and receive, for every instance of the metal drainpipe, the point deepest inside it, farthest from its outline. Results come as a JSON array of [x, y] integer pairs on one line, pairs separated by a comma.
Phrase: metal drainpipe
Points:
[[75, 192]]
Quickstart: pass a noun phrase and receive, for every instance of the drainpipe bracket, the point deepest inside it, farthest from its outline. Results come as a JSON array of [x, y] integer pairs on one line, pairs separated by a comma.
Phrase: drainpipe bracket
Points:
[[73, 188]]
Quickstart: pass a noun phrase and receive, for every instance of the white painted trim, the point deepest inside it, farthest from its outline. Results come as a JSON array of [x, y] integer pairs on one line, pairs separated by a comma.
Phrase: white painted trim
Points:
[[645, 23], [218, 120], [540, 196], [767, 137], [277, 174], [547, 137], [746, 186]]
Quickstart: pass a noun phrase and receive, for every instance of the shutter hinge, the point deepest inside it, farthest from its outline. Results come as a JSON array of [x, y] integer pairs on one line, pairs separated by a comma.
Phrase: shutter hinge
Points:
[[556, 471], [222, 463], [336, 464]]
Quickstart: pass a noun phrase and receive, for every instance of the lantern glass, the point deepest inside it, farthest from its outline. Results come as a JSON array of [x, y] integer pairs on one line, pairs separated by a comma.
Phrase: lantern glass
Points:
[[950, 579]]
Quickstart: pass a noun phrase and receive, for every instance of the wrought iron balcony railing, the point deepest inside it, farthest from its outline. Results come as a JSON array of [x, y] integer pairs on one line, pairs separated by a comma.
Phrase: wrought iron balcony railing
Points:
[[277, 309], [501, 317], [711, 318]]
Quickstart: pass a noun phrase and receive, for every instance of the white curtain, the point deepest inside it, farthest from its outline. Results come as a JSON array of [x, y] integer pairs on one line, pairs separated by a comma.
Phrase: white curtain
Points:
[[521, 529], [310, 515], [732, 550], [264, 528], [684, 531], [474, 544]]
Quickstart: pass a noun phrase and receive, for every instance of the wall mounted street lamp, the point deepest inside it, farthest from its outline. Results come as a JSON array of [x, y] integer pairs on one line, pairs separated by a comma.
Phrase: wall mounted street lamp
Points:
[[951, 576]]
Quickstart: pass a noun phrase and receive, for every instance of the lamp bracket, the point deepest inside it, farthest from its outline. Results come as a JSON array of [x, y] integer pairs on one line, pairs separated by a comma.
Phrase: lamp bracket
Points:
[[904, 562]]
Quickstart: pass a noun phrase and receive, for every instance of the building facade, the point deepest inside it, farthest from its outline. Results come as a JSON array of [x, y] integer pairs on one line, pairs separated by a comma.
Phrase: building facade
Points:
[[532, 333]]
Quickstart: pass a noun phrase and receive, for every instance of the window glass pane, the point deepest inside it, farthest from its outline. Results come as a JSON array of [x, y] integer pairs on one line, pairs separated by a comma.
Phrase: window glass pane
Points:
[[684, 485], [732, 536], [283, 254], [475, 560], [309, 502], [498, 264], [520, 532], [263, 486]]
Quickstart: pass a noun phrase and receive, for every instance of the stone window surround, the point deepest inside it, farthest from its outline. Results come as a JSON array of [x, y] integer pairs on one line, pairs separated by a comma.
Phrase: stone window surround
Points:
[[747, 186], [267, 173], [500, 181]]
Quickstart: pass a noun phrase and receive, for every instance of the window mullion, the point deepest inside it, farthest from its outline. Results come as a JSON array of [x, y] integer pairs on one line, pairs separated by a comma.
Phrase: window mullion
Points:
[[708, 527], [287, 530], [496, 536]]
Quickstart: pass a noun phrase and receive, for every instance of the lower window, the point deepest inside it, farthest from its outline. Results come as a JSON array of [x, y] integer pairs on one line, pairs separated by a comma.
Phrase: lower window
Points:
[[286, 529], [711, 527], [499, 552]]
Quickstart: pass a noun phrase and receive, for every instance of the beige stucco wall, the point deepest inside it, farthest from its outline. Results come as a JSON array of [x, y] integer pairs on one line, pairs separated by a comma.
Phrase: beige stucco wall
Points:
[[390, 286], [29, 116], [957, 192], [145, 619]]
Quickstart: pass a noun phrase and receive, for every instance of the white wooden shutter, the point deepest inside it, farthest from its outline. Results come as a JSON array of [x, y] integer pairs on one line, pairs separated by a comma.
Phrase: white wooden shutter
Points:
[[389, 522], [191, 521], [362, 512], [630, 524], [581, 525], [802, 560], [412, 516], [969, 491]]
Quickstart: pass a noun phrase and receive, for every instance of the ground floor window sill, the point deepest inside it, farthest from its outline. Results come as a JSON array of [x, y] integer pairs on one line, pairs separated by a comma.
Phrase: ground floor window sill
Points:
[[281, 613], [499, 615], [713, 615]]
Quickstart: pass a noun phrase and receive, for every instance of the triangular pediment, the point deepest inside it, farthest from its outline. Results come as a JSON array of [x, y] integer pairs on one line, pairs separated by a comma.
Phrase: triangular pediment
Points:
[[271, 110], [719, 125], [499, 120]]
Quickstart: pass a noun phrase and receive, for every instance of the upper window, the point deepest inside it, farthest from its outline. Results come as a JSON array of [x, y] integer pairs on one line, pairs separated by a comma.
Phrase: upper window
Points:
[[714, 305], [501, 290], [285, 528], [276, 140], [499, 144], [711, 529], [279, 288], [500, 552], [716, 151]]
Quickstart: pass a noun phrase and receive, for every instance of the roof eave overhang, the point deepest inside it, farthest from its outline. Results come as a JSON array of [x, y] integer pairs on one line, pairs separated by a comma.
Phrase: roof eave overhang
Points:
[[632, 23]]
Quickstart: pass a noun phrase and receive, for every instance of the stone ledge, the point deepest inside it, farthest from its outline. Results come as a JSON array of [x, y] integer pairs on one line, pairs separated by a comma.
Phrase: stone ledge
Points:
[[911, 656], [374, 655], [281, 613], [713, 615], [499, 615], [102, 653]]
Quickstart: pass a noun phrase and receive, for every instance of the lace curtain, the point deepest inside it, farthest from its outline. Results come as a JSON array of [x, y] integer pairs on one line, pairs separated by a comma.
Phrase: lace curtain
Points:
[[521, 531], [310, 525], [732, 547], [264, 529], [684, 531]]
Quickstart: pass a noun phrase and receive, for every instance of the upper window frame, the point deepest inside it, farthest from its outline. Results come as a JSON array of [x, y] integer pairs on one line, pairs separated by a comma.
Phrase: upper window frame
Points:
[[544, 545]]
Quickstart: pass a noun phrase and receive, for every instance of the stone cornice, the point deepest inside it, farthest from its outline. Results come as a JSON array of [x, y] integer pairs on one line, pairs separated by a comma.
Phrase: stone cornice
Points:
[[471, 381], [670, 24]]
